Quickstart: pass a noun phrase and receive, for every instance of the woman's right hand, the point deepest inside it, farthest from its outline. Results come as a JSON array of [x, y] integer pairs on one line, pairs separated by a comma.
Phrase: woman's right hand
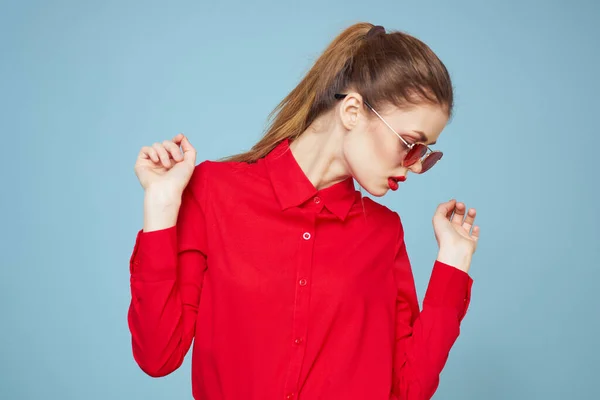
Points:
[[166, 168]]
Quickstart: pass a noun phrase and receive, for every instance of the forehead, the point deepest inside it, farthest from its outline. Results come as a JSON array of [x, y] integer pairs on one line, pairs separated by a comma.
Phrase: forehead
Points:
[[427, 118]]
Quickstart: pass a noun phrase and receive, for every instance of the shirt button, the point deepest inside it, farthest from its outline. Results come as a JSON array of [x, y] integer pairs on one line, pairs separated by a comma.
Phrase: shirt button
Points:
[[289, 396], [298, 341], [306, 236], [302, 282], [317, 199]]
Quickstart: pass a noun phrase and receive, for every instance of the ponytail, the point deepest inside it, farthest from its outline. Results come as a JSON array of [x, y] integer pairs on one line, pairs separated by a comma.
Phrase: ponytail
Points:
[[396, 68], [312, 95]]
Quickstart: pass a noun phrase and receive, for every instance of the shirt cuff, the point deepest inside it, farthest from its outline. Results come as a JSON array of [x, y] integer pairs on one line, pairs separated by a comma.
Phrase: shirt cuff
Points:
[[154, 255], [449, 287]]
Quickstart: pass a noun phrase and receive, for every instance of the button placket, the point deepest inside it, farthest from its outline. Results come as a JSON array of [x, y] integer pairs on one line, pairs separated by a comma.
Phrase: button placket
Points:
[[300, 313]]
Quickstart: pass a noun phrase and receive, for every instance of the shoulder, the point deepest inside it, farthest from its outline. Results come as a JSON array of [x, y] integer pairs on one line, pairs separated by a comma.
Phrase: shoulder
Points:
[[383, 217], [209, 171], [378, 210], [215, 178]]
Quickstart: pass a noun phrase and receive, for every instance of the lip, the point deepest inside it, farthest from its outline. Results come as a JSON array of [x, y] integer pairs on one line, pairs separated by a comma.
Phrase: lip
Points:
[[399, 178]]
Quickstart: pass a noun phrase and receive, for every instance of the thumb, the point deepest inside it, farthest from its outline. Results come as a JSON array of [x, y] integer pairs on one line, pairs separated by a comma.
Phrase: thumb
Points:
[[445, 209], [189, 152]]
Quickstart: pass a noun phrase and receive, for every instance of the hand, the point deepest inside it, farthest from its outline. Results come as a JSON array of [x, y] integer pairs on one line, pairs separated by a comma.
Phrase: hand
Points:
[[165, 167], [455, 233]]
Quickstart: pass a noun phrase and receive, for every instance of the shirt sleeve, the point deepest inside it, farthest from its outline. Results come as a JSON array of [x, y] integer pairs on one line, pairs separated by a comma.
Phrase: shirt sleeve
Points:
[[424, 337], [167, 269]]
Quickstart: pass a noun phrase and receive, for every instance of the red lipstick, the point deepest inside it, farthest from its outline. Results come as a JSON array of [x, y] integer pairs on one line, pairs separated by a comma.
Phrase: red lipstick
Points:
[[393, 181]]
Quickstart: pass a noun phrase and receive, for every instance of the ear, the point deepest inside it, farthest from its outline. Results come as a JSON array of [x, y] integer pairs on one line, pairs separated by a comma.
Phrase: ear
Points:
[[350, 109]]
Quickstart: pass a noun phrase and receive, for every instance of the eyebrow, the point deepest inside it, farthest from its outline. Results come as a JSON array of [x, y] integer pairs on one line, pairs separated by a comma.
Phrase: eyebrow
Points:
[[423, 138]]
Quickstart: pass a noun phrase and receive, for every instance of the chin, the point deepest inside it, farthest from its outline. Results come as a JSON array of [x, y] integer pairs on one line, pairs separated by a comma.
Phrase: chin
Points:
[[376, 191], [380, 192], [373, 184]]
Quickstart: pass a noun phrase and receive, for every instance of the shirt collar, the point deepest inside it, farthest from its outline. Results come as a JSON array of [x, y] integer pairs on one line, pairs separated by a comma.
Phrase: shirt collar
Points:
[[292, 187]]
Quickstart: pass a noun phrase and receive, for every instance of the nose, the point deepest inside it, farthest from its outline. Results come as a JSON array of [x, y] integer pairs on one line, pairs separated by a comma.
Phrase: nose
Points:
[[416, 167]]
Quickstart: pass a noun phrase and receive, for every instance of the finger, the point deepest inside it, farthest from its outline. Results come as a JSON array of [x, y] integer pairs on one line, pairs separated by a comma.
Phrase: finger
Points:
[[177, 139], [189, 152], [162, 154], [173, 150], [148, 152], [451, 208], [469, 219], [445, 209], [475, 233], [459, 213]]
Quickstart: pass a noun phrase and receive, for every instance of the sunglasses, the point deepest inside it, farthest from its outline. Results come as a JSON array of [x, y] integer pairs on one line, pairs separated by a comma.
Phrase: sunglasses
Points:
[[416, 151]]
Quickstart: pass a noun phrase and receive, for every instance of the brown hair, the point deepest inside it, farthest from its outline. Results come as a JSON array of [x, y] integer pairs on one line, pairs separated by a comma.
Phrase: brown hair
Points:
[[394, 68]]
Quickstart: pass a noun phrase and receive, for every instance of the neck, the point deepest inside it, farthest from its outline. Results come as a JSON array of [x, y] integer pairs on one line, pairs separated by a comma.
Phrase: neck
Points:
[[318, 151]]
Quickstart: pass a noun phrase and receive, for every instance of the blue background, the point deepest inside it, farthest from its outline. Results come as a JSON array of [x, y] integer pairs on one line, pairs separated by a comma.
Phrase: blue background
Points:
[[83, 85]]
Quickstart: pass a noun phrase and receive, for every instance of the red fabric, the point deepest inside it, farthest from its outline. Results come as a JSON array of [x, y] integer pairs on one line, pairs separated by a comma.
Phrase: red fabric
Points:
[[289, 292]]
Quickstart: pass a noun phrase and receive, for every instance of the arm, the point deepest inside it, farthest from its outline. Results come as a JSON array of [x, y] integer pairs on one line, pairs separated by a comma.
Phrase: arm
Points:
[[424, 338], [167, 269]]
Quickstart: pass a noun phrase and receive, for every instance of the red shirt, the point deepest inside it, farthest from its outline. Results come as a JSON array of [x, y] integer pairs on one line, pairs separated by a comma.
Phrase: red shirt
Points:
[[289, 292]]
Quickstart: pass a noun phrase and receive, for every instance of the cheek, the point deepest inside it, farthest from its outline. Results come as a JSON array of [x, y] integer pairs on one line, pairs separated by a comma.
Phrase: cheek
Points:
[[368, 156], [387, 148]]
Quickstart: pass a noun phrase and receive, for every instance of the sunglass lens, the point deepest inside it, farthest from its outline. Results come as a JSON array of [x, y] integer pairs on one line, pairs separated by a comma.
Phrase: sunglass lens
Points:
[[430, 160], [414, 154]]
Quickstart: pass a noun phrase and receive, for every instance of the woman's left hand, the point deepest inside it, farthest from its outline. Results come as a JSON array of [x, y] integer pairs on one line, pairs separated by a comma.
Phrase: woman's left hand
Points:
[[456, 233]]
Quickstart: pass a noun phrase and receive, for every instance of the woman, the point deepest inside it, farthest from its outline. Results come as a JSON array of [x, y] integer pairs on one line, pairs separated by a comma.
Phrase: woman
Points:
[[292, 285]]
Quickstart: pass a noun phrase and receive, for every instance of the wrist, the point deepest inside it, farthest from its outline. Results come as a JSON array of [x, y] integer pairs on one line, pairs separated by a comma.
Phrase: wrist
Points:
[[160, 211], [455, 258], [161, 198]]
